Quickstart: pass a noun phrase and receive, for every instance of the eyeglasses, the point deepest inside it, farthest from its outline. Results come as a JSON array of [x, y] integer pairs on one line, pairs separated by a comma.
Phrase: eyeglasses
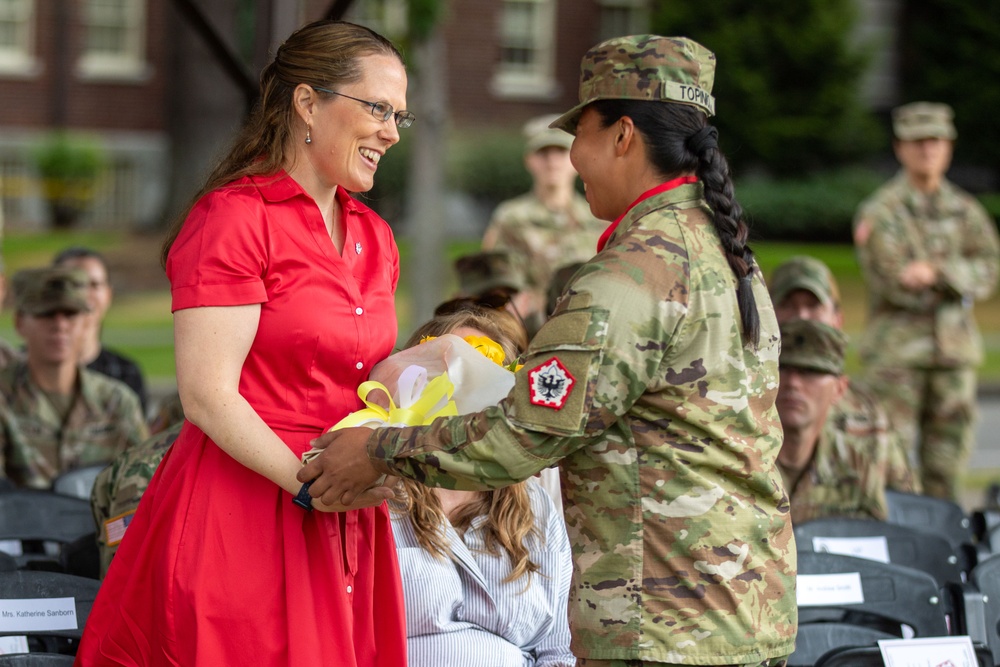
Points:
[[381, 110]]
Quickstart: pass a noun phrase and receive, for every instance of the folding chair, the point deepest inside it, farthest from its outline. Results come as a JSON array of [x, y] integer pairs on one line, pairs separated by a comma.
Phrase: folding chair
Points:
[[891, 596], [871, 656], [816, 639], [49, 609], [35, 524], [936, 516], [36, 660], [78, 482], [904, 545], [986, 577]]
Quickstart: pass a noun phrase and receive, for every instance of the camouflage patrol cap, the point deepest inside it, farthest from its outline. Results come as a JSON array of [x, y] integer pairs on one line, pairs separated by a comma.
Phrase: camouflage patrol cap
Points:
[[41, 291], [484, 271], [807, 273], [539, 135], [645, 67], [813, 346], [923, 120]]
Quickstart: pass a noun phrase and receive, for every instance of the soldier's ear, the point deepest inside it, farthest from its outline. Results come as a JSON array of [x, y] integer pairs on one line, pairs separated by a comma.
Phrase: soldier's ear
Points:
[[841, 387]]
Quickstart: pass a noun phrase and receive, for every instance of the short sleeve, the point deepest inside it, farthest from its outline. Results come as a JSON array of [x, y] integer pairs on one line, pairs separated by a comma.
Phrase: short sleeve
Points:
[[220, 254]]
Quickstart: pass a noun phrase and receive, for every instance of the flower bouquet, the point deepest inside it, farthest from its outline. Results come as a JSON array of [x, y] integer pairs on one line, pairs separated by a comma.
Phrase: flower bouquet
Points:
[[440, 377]]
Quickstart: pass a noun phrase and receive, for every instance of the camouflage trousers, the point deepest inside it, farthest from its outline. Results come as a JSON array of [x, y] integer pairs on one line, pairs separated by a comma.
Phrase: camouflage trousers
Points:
[[583, 662], [934, 411]]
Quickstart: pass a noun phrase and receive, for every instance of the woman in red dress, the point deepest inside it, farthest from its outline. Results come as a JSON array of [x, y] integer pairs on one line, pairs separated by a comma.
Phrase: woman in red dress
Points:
[[282, 289]]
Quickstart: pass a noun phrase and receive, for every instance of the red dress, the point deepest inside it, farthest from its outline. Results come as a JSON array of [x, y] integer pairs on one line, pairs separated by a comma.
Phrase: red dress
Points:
[[218, 567]]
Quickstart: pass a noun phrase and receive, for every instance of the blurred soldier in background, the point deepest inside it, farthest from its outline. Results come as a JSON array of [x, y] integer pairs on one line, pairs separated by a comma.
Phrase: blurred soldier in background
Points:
[[495, 280], [54, 414], [927, 250], [803, 287], [825, 474], [552, 225]]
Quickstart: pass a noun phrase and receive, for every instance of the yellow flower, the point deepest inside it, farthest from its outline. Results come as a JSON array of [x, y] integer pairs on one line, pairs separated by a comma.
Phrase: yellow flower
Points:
[[488, 347], [424, 339]]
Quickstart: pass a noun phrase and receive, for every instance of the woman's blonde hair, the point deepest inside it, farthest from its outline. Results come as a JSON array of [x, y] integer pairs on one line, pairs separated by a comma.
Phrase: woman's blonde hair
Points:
[[323, 53], [510, 521]]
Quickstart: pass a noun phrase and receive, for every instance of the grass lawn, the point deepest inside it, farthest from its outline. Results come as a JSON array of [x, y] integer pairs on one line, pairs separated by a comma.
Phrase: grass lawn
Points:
[[139, 323]]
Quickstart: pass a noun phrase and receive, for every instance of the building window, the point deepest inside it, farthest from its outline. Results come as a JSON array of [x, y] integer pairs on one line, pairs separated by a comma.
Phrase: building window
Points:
[[527, 49], [115, 39], [623, 17], [17, 37], [386, 17]]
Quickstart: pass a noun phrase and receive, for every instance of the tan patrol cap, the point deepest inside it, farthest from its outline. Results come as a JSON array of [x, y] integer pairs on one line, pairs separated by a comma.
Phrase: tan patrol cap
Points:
[[923, 120], [812, 345], [539, 135], [49, 290], [645, 67], [807, 273], [484, 271]]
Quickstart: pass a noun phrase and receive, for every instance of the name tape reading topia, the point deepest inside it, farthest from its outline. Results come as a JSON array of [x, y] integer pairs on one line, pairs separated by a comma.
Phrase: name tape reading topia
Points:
[[33, 614]]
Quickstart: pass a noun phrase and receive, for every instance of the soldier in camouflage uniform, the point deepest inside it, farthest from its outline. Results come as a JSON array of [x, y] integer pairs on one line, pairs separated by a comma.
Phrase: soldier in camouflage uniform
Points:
[[119, 487], [927, 250], [826, 473], [550, 226], [653, 385], [803, 287], [54, 415]]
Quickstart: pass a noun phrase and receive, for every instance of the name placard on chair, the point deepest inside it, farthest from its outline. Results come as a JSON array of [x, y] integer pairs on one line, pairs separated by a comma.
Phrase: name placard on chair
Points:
[[817, 590], [928, 652], [871, 548], [38, 614]]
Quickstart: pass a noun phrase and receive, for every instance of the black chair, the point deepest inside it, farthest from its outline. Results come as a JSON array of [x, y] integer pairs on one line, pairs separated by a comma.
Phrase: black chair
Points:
[[78, 482], [986, 577], [936, 516], [905, 545], [36, 660], [36, 585], [817, 639], [43, 522], [893, 596], [871, 656]]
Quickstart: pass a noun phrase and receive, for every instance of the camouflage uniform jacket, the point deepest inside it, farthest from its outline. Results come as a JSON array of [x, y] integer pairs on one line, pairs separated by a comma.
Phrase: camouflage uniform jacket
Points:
[[845, 477], [119, 487], [543, 239], [38, 445], [933, 328], [666, 440], [8, 353], [862, 421]]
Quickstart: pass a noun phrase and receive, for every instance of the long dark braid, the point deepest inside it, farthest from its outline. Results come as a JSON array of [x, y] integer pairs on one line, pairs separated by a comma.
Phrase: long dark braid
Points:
[[679, 140]]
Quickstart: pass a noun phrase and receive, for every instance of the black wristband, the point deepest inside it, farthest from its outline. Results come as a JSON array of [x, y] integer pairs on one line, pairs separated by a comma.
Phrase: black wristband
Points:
[[303, 499]]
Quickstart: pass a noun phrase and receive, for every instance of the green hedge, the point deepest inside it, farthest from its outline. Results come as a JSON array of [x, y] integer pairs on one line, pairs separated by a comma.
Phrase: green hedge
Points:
[[816, 208]]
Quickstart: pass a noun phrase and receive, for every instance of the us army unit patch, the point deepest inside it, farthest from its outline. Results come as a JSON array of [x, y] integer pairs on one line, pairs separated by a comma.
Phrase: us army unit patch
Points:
[[549, 384]]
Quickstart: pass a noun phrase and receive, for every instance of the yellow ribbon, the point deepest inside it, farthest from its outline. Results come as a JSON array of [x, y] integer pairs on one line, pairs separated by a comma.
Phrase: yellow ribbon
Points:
[[420, 413]]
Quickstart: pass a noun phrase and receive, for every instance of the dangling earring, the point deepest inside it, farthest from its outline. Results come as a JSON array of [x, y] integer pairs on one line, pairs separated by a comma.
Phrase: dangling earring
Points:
[[308, 135]]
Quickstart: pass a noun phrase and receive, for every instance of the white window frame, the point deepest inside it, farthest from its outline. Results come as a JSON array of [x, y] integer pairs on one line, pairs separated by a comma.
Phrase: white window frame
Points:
[[638, 19], [537, 79], [126, 64], [19, 59]]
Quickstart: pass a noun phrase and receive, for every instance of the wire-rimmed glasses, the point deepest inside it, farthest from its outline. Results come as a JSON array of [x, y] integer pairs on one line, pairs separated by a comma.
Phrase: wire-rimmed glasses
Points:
[[381, 110]]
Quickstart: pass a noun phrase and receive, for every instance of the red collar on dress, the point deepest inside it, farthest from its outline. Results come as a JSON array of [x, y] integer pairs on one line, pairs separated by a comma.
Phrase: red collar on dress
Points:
[[662, 187]]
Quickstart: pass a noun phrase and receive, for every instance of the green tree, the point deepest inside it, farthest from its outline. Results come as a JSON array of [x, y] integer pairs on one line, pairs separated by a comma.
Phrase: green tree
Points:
[[951, 53], [788, 83]]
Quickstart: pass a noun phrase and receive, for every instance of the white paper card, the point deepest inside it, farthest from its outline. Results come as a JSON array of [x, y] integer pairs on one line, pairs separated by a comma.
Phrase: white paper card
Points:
[[13, 644], [12, 547], [35, 614], [928, 652], [821, 589], [870, 548]]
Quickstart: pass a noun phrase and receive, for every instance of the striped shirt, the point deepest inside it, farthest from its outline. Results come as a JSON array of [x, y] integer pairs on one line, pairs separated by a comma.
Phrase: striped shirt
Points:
[[459, 611]]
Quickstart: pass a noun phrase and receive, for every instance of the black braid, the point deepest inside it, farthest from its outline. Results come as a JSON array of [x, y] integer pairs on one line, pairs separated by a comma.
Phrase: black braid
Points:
[[670, 132]]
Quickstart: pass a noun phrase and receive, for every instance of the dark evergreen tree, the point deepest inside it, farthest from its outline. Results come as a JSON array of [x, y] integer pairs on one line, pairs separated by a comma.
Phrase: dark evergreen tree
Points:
[[788, 83]]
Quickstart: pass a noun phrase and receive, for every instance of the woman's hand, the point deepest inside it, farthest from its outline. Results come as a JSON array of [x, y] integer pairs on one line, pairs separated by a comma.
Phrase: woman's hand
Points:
[[342, 476]]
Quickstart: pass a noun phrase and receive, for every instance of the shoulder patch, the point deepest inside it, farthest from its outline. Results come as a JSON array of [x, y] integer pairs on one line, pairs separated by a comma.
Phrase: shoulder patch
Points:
[[114, 529], [549, 384]]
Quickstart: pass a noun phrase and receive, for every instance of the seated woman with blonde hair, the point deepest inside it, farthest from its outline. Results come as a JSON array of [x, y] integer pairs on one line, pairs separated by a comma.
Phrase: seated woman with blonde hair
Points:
[[485, 574]]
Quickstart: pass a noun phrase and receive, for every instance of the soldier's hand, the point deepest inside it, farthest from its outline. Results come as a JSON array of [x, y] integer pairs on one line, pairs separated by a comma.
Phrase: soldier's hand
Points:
[[342, 475], [918, 275]]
